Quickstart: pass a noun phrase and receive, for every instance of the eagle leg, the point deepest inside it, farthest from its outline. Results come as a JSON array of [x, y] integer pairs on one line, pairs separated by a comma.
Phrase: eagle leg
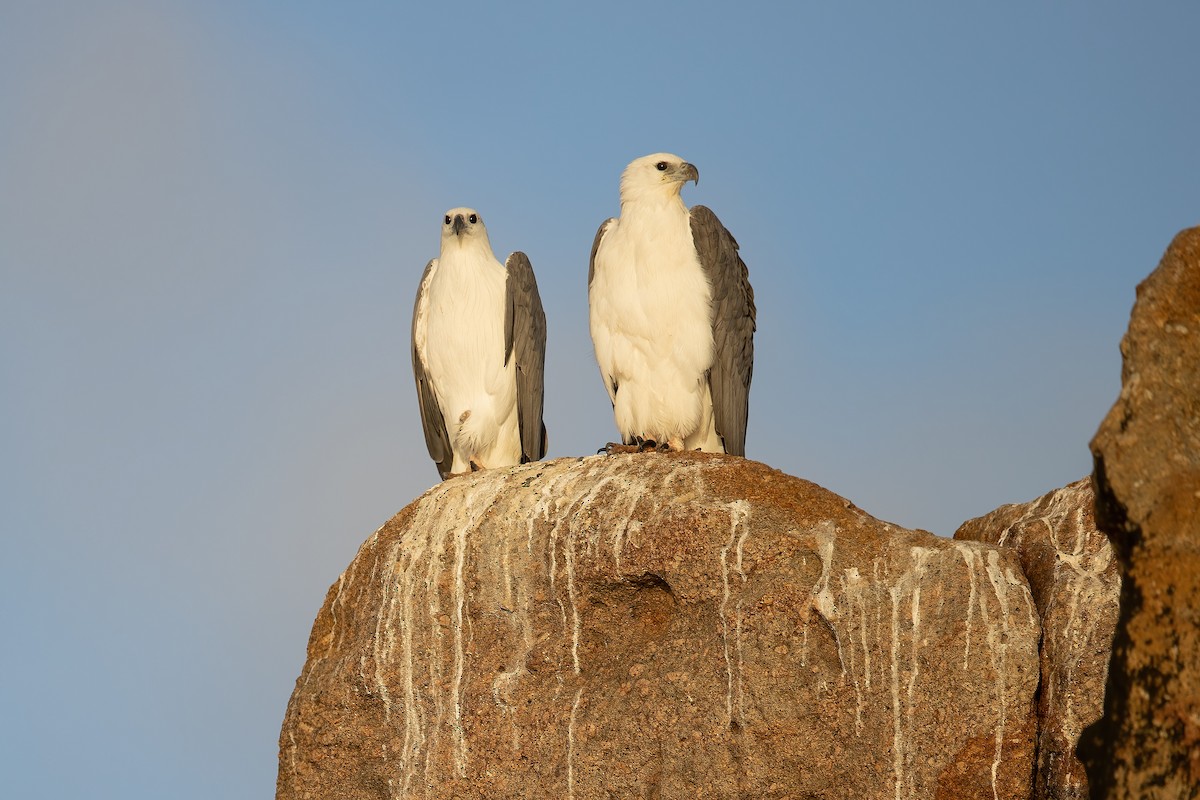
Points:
[[612, 448]]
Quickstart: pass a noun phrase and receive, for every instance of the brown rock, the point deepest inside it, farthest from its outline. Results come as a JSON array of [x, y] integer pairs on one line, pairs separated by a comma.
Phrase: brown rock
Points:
[[663, 626], [1147, 477], [1076, 587]]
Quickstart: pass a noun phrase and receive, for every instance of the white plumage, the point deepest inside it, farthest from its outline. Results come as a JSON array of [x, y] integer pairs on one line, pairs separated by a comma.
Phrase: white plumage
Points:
[[670, 301], [471, 314]]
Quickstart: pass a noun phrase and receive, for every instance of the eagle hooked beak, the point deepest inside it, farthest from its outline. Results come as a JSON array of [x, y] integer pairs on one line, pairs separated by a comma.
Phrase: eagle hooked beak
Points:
[[688, 172], [459, 225]]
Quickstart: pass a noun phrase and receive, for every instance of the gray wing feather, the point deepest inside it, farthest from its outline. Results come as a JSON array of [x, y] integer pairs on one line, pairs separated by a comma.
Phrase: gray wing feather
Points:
[[609, 384], [437, 440], [525, 342], [595, 247], [733, 326]]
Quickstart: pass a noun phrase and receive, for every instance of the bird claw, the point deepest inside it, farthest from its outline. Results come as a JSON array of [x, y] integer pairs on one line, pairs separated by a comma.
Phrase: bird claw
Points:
[[639, 445]]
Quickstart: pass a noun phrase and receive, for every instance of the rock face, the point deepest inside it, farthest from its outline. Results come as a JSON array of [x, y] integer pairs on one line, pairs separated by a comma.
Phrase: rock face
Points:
[[1076, 587], [1147, 475], [663, 626]]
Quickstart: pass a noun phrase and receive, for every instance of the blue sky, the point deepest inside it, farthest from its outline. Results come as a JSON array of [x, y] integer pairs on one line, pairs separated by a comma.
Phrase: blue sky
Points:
[[213, 217]]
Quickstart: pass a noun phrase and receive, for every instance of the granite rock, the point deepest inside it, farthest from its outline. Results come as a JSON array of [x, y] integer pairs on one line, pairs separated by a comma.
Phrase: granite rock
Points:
[[663, 626], [1076, 587], [1147, 477]]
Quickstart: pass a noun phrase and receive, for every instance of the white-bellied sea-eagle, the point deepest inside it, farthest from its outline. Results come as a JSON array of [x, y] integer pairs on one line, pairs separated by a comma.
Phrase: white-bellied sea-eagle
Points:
[[672, 315], [478, 352]]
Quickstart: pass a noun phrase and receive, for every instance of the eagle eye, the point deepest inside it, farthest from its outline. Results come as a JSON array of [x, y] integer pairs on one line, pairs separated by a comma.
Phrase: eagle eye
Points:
[[472, 219], [661, 166], [447, 219]]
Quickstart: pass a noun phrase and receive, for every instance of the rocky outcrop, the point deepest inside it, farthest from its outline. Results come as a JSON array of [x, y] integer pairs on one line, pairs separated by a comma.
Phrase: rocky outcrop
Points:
[[663, 626], [1147, 476], [1076, 588]]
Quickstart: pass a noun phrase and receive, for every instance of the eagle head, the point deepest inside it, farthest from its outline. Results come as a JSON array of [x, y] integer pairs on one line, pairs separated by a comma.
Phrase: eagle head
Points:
[[659, 175], [463, 225]]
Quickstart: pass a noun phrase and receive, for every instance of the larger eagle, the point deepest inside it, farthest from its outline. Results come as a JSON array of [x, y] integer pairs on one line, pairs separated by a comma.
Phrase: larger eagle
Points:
[[672, 315], [478, 352]]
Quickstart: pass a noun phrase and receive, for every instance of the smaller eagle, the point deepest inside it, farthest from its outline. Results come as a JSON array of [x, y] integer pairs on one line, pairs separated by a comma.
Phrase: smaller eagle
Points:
[[478, 352], [672, 315]]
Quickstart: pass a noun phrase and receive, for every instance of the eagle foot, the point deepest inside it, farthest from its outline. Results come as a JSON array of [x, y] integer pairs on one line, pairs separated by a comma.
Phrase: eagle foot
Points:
[[612, 448], [640, 445]]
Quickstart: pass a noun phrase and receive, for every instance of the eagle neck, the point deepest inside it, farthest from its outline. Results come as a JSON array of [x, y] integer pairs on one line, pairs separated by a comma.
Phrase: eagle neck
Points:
[[477, 245], [653, 205]]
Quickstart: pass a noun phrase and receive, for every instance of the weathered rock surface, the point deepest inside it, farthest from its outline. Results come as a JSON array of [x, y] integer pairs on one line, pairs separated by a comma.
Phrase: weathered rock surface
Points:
[[1076, 587], [1147, 476], [663, 626]]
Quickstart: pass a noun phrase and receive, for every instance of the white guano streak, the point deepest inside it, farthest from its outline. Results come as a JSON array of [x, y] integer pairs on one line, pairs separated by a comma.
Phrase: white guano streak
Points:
[[909, 582], [999, 585], [738, 512]]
